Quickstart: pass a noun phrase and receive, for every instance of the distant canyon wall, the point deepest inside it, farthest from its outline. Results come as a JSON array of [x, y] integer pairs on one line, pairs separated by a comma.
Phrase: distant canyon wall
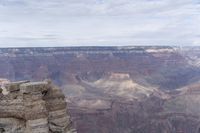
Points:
[[165, 67]]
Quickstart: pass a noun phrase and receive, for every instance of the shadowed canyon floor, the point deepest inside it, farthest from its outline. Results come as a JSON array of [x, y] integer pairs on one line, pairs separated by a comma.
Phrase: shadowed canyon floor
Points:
[[117, 89]]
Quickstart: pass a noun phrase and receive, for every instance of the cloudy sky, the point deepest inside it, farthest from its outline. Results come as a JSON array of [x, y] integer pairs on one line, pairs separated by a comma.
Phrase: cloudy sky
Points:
[[99, 22]]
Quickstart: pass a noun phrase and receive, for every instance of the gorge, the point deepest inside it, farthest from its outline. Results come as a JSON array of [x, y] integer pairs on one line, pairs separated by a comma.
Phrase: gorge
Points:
[[152, 89]]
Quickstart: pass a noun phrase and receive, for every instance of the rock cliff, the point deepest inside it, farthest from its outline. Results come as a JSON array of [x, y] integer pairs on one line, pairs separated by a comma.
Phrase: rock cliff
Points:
[[33, 107], [108, 89]]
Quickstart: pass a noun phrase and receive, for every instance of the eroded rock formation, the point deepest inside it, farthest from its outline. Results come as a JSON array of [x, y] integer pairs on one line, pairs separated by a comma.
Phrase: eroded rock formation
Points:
[[110, 89], [33, 107]]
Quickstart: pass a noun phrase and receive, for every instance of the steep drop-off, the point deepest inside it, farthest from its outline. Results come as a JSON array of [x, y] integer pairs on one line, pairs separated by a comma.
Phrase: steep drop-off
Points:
[[117, 89]]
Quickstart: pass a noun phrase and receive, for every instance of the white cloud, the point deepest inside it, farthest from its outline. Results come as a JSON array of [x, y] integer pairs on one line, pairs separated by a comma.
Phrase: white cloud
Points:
[[99, 22]]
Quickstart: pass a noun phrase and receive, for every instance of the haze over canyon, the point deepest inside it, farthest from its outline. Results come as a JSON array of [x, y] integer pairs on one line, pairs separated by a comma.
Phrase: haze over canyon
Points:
[[150, 89]]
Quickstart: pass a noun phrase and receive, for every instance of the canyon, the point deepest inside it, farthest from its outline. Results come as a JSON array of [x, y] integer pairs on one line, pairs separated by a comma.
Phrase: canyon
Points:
[[151, 89]]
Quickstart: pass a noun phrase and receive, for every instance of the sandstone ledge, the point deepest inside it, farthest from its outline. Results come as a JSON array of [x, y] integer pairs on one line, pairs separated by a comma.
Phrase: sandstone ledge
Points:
[[33, 107]]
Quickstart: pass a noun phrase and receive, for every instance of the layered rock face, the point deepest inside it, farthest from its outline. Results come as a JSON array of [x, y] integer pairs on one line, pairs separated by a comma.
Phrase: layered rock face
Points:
[[166, 67], [33, 107], [108, 89], [117, 104]]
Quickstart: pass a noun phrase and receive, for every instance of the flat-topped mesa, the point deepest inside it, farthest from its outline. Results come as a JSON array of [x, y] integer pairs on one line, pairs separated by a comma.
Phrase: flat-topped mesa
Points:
[[34, 107]]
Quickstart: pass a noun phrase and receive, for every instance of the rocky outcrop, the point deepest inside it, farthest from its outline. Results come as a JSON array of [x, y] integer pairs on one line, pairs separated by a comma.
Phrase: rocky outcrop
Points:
[[33, 107]]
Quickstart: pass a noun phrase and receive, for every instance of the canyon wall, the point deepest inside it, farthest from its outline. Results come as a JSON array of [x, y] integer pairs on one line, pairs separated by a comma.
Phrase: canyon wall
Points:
[[109, 89]]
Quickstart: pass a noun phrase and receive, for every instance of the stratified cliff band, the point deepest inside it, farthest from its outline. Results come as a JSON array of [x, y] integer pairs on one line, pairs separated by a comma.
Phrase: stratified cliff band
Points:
[[33, 107], [108, 89]]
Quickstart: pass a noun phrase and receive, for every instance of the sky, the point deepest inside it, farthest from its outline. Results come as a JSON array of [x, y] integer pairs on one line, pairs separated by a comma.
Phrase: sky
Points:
[[49, 23]]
